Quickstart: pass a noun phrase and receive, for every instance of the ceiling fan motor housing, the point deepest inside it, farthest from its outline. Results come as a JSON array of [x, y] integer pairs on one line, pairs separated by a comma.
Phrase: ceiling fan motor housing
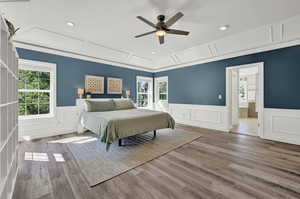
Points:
[[161, 17], [161, 24]]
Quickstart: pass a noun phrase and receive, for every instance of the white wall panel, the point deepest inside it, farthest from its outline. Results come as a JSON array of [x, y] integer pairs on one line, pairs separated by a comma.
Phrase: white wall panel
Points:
[[65, 121], [212, 117], [282, 125]]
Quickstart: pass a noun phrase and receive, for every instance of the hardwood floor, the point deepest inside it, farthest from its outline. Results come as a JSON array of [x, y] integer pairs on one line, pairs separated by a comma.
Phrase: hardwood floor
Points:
[[217, 165]]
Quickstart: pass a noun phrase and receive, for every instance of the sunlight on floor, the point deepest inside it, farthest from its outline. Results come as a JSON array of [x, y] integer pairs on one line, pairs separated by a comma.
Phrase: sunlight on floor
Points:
[[42, 157], [86, 141], [39, 157], [247, 126], [75, 139], [58, 157]]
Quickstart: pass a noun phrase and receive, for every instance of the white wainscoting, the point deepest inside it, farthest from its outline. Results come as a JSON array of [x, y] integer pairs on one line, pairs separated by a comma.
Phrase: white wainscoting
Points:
[[65, 121], [282, 125], [279, 124], [212, 117]]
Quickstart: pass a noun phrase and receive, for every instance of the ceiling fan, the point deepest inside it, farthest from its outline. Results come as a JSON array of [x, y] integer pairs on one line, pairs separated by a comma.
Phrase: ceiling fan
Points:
[[162, 28]]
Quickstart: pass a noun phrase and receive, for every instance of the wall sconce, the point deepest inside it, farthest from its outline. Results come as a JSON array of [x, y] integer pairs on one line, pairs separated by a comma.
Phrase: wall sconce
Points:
[[80, 92], [127, 93]]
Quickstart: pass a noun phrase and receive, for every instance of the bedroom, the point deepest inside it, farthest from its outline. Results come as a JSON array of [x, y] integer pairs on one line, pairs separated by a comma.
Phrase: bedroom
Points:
[[89, 108]]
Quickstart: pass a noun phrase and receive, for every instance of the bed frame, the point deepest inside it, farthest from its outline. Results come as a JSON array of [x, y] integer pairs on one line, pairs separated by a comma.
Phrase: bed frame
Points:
[[122, 144]]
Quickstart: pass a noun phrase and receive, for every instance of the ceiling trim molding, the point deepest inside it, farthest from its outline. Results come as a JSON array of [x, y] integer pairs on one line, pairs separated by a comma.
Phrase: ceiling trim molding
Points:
[[40, 48], [265, 38], [250, 51], [273, 46]]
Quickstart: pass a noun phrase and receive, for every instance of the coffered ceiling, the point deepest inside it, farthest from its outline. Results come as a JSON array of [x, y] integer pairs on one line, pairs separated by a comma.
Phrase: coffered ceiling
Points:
[[105, 29]]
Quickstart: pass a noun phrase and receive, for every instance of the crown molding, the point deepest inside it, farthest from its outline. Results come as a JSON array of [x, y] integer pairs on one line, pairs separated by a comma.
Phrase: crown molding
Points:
[[278, 35], [269, 37], [44, 49], [163, 68], [232, 55]]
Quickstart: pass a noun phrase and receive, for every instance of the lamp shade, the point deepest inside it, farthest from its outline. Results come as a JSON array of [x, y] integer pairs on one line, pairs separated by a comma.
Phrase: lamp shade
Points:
[[80, 91]]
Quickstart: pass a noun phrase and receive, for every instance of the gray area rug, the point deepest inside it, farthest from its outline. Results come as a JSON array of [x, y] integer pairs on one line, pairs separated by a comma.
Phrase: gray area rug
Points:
[[97, 165]]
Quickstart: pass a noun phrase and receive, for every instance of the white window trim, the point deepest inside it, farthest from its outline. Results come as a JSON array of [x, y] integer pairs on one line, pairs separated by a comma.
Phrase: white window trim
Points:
[[157, 81], [150, 104], [43, 67]]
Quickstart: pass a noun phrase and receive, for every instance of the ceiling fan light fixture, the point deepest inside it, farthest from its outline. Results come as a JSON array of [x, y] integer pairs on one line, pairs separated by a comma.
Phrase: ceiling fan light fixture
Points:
[[160, 33]]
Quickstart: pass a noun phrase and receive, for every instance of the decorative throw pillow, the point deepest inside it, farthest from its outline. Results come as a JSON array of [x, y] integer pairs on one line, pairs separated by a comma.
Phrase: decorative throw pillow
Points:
[[123, 104], [99, 106]]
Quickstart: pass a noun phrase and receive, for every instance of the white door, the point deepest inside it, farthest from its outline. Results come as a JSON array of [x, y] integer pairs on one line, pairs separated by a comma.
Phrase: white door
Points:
[[144, 88], [235, 96], [161, 94]]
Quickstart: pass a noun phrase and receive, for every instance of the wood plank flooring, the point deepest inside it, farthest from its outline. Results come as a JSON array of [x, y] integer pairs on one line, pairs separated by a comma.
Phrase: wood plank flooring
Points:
[[217, 165]]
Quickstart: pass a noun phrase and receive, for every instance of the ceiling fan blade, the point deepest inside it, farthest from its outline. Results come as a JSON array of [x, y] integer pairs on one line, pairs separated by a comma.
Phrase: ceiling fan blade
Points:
[[146, 21], [173, 19], [161, 39], [177, 32], [147, 33]]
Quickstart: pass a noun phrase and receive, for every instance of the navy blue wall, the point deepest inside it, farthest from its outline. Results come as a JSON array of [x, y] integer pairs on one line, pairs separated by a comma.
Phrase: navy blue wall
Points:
[[201, 84], [71, 74]]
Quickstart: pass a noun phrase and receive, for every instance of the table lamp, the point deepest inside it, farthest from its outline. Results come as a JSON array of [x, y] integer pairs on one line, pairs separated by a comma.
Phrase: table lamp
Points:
[[80, 92]]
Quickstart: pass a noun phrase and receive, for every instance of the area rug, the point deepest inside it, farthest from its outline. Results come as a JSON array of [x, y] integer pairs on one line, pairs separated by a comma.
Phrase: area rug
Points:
[[97, 165]]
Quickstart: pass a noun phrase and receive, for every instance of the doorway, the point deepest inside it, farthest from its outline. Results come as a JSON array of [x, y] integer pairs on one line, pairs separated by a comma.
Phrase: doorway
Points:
[[245, 99], [161, 93], [144, 89]]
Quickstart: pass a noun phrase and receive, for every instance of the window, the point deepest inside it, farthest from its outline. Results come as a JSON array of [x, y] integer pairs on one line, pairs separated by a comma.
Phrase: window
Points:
[[144, 91], [247, 91], [243, 90], [161, 88], [36, 89]]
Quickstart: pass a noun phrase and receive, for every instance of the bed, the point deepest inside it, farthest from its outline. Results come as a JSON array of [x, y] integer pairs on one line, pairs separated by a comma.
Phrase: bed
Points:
[[113, 120]]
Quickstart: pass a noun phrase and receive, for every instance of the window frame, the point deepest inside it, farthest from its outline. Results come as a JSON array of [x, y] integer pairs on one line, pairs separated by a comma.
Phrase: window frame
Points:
[[247, 86], [41, 67], [150, 92], [157, 94]]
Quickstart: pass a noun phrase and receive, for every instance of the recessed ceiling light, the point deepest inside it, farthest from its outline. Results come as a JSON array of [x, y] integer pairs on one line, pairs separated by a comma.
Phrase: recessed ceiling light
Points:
[[71, 24], [224, 27], [152, 53]]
